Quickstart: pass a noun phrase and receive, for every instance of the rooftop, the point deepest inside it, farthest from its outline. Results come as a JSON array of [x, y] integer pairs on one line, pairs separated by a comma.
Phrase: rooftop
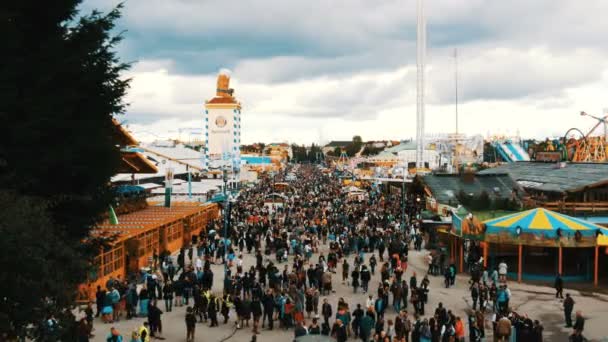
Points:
[[143, 220], [337, 143], [222, 100], [403, 146], [548, 177], [445, 188]]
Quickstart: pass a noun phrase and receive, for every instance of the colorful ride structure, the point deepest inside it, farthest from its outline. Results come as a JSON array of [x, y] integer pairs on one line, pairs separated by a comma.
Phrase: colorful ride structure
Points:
[[509, 149], [574, 146], [588, 148]]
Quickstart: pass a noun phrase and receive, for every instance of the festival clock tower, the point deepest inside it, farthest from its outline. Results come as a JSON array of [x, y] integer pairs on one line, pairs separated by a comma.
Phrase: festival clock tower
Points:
[[222, 126]]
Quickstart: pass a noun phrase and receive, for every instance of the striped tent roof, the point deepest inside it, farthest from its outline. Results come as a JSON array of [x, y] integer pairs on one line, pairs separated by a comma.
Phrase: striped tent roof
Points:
[[542, 221]]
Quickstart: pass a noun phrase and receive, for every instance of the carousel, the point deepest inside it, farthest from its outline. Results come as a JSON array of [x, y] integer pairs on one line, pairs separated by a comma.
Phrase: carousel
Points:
[[536, 244]]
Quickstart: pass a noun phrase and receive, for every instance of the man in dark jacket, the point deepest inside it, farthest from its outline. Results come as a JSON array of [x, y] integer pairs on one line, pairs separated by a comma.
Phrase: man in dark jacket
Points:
[[365, 327], [365, 277], [340, 332], [268, 303], [559, 286], [568, 306], [156, 327], [326, 311], [256, 311], [357, 316], [579, 324], [99, 297]]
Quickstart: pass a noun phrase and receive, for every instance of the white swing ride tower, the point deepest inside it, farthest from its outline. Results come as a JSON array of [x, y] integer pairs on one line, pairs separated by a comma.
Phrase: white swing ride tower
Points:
[[420, 70]]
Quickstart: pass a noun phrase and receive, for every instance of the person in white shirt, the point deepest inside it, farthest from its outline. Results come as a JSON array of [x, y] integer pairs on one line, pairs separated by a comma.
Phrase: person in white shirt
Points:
[[502, 271], [369, 303]]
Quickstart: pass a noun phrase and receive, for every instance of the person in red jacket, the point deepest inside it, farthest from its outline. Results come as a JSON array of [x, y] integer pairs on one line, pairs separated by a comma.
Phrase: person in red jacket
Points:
[[459, 327]]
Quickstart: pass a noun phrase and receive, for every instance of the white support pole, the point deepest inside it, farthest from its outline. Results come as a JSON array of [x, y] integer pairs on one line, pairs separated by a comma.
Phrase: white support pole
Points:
[[420, 56]]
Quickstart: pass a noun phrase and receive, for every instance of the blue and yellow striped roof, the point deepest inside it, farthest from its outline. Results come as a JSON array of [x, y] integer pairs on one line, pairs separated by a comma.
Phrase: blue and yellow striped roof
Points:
[[541, 220]]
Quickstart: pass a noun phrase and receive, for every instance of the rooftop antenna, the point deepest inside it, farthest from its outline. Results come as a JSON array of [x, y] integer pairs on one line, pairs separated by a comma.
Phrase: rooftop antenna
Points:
[[420, 55]]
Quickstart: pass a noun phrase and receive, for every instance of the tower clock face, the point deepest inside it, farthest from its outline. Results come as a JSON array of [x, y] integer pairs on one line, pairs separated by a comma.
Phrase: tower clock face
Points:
[[220, 122]]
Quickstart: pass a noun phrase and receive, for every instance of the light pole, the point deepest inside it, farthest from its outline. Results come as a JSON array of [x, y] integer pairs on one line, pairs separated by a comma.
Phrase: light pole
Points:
[[403, 199], [226, 213]]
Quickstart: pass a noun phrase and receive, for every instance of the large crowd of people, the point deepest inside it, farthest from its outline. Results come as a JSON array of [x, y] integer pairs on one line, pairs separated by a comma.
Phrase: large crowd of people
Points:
[[303, 244]]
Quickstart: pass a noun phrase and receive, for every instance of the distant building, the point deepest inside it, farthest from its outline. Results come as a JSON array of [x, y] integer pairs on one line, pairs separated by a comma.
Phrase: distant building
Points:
[[406, 152], [222, 126], [279, 152]]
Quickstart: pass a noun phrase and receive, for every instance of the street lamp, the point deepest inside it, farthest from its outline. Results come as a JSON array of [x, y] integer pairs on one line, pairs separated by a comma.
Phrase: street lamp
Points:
[[403, 199], [226, 214]]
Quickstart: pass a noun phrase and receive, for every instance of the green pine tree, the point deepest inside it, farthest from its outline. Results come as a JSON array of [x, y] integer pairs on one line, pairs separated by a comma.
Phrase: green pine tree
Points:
[[60, 85]]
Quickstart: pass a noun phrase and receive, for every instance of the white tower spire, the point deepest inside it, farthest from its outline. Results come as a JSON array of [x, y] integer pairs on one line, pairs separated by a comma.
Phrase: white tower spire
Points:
[[420, 56]]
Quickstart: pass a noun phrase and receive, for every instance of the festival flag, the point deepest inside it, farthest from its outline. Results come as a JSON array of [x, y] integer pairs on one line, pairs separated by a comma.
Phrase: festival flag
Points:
[[112, 215]]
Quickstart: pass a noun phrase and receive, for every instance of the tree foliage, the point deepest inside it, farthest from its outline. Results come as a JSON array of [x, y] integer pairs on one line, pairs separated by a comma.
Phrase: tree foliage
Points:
[[370, 150], [355, 146], [315, 154], [60, 85], [299, 153]]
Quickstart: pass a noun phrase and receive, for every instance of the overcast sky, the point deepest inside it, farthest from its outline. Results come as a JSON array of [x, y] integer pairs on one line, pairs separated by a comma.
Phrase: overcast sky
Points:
[[319, 70]]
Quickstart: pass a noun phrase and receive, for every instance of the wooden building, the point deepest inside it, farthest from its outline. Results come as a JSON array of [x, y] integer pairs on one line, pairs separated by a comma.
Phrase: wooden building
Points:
[[140, 234]]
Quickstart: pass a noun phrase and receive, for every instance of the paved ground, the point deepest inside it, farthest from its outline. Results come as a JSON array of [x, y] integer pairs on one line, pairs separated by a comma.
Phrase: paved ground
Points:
[[537, 301]]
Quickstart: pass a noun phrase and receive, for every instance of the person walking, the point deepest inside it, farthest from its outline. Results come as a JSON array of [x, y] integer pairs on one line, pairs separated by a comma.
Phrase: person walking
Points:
[[168, 296], [568, 307], [268, 303], [475, 295], [345, 267], [190, 324], [326, 311], [503, 329], [365, 278], [559, 286], [502, 271], [579, 324], [100, 295], [256, 311], [340, 331]]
